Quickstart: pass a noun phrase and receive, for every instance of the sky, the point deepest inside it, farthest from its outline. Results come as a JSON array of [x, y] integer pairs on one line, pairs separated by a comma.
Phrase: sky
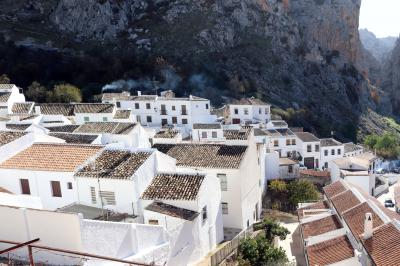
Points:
[[382, 17]]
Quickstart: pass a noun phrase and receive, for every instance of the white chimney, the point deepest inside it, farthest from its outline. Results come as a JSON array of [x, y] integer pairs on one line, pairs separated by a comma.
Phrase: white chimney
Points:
[[139, 93], [368, 225]]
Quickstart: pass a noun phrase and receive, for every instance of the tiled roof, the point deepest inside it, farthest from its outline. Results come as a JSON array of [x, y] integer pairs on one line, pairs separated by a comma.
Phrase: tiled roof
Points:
[[6, 86], [334, 189], [25, 117], [321, 205], [4, 96], [114, 164], [279, 123], [65, 109], [306, 136], [174, 187], [241, 134], [9, 136], [3, 190], [75, 138], [66, 128], [383, 246], [20, 127], [315, 173], [259, 132], [122, 114], [171, 210], [106, 127], [345, 201], [51, 157], [22, 108], [320, 226], [109, 96], [204, 155], [281, 132], [93, 108], [248, 101], [166, 134], [355, 218], [330, 251], [286, 161], [329, 142], [207, 126], [350, 147]]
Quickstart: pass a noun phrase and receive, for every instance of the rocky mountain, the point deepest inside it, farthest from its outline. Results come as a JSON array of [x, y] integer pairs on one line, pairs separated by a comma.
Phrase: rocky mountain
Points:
[[380, 48], [304, 57], [391, 78]]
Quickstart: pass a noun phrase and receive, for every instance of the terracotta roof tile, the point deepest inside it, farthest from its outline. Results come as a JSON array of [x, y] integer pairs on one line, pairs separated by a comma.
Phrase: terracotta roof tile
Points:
[[174, 187], [93, 108], [318, 205], [355, 218], [75, 138], [51, 157], [206, 126], [330, 142], [383, 246], [204, 155], [4, 96], [65, 109], [345, 201], [330, 251], [106, 127], [334, 189], [248, 101], [306, 136], [114, 164], [109, 96], [122, 114], [321, 226], [22, 108], [171, 210], [241, 134], [315, 173], [66, 128], [20, 127], [9, 136], [166, 134]]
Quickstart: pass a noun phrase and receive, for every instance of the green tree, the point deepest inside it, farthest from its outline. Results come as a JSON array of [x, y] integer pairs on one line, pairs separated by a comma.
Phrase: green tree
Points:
[[260, 252], [4, 79], [387, 145], [65, 93], [302, 191], [371, 140], [36, 92], [277, 186], [272, 229]]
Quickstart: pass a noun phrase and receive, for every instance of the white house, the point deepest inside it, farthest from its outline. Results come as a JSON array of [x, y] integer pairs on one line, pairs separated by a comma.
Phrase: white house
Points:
[[188, 206], [248, 110], [238, 170], [281, 140], [116, 178], [167, 136], [309, 149], [207, 132], [124, 115], [331, 149], [158, 111], [277, 124], [351, 149], [9, 94], [46, 171], [127, 134], [360, 171]]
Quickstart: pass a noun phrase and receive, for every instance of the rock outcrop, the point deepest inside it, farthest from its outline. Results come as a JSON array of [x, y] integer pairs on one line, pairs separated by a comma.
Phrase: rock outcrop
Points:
[[380, 48]]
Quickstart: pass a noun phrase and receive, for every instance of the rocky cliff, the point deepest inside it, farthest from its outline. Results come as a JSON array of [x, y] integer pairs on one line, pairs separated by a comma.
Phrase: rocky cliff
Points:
[[302, 56], [380, 48]]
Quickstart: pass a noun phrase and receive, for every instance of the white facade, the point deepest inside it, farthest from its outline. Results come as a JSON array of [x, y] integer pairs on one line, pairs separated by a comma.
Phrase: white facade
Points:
[[14, 96], [81, 118], [310, 152], [248, 113], [208, 134], [330, 152]]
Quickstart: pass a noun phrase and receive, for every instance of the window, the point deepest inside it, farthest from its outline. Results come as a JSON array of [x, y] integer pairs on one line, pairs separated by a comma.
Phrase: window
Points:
[[308, 148], [184, 121], [259, 111], [183, 111], [288, 142], [316, 163], [246, 111], [236, 111], [223, 182], [118, 104], [293, 141], [56, 189], [333, 152], [138, 119], [266, 111], [326, 165], [108, 197], [153, 221], [174, 120], [204, 134], [148, 119], [173, 108], [339, 151], [86, 119], [105, 119], [164, 122], [148, 106], [290, 169], [276, 143], [214, 134], [163, 109], [25, 189], [206, 105], [288, 154], [93, 195], [136, 105], [317, 148], [204, 214], [224, 208], [69, 185], [326, 152]]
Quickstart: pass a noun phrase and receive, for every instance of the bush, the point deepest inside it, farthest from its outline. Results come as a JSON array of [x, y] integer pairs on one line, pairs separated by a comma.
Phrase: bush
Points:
[[302, 191], [65, 93], [386, 145]]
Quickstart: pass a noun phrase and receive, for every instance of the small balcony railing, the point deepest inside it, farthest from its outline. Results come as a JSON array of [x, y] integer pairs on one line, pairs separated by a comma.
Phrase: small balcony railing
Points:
[[163, 112], [184, 112]]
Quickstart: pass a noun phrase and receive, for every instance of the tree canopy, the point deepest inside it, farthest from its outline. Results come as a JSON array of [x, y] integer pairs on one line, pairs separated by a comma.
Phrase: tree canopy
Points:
[[36, 92], [302, 191], [4, 79], [65, 93], [387, 145]]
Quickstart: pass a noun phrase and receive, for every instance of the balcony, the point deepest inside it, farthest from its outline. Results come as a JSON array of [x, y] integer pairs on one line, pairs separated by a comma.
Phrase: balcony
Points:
[[163, 112], [184, 112]]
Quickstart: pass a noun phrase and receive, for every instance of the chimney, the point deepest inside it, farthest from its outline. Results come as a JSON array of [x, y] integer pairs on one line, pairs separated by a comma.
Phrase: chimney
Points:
[[139, 93], [368, 225]]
